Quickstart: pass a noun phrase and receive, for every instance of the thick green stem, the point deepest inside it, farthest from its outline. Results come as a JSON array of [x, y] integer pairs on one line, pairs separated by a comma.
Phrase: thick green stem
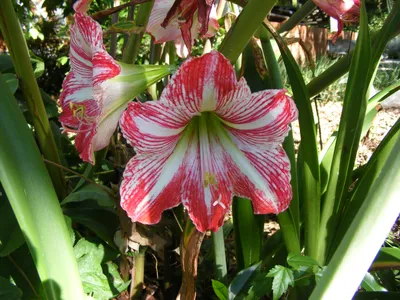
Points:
[[132, 48], [251, 17], [16, 43], [138, 274], [35, 204], [221, 269], [299, 15]]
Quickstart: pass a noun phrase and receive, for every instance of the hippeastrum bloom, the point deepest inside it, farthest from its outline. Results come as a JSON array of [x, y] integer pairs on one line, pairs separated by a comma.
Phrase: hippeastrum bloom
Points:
[[344, 11], [182, 21], [98, 88], [207, 139]]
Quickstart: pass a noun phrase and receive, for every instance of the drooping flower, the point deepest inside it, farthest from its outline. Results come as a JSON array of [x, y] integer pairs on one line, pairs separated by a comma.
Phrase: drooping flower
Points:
[[344, 11], [182, 21], [207, 139], [98, 88]]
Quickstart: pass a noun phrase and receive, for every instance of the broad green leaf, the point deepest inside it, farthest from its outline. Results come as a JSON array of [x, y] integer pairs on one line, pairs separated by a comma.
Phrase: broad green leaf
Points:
[[308, 166], [6, 64], [102, 195], [114, 278], [296, 261], [370, 284], [49, 104], [11, 236], [38, 64], [102, 222], [89, 257], [240, 280], [283, 277], [261, 286], [248, 229], [220, 289], [70, 229], [11, 81], [369, 175], [354, 108], [381, 203], [8, 291]]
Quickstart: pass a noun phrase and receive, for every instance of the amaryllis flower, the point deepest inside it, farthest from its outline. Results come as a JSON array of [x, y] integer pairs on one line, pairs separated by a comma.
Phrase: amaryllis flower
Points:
[[98, 88], [207, 139], [182, 20], [344, 11]]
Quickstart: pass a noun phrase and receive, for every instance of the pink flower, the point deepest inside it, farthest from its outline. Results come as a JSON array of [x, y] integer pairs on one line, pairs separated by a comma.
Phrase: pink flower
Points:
[[344, 11], [207, 139], [182, 21], [98, 88]]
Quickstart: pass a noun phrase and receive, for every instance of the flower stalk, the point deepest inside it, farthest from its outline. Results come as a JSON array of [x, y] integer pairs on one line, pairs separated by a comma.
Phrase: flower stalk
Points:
[[18, 48], [134, 41], [249, 20]]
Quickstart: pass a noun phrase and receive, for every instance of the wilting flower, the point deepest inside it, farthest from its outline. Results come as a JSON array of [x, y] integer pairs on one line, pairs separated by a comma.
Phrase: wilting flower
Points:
[[98, 88], [344, 11], [182, 21], [207, 138]]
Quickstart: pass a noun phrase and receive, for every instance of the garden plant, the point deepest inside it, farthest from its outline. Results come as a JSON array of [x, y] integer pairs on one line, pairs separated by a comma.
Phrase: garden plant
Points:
[[144, 157]]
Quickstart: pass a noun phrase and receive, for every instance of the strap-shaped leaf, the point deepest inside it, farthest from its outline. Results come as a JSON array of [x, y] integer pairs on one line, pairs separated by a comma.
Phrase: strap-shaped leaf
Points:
[[310, 189]]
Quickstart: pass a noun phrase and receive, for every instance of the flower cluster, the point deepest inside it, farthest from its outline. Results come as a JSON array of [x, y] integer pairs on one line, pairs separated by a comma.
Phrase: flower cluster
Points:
[[207, 138]]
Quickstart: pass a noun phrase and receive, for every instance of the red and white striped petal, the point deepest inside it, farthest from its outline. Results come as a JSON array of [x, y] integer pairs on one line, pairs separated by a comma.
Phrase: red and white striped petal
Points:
[[207, 189], [158, 13], [261, 176], [258, 119], [274, 168], [87, 55], [83, 142], [82, 6], [152, 183], [153, 127], [199, 84]]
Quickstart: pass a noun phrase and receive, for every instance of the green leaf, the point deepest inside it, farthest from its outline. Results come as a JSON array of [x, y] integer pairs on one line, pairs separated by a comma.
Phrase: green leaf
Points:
[[70, 229], [370, 284], [102, 195], [89, 257], [261, 286], [8, 291], [114, 278], [354, 108], [102, 222], [308, 166], [220, 289], [49, 104], [37, 63], [238, 283], [248, 229], [296, 261], [6, 64], [11, 81], [11, 237], [283, 277], [387, 257]]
